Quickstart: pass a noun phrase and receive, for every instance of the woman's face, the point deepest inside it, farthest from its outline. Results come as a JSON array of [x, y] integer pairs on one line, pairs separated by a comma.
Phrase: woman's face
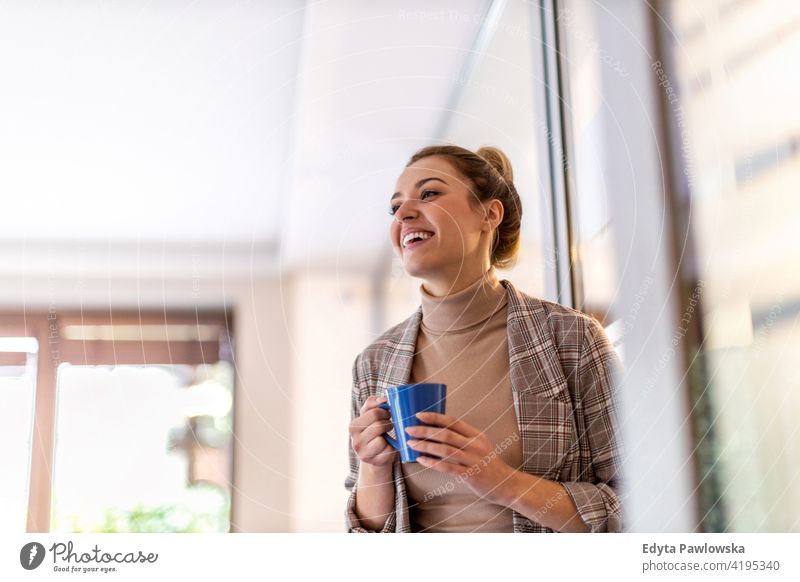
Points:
[[432, 198]]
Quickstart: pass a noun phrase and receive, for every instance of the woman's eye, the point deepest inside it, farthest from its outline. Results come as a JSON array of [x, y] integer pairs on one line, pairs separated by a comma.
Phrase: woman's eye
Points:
[[425, 193]]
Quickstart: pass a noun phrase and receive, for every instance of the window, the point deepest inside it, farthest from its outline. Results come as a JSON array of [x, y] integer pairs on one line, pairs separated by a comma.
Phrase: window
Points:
[[134, 414], [589, 119], [731, 94]]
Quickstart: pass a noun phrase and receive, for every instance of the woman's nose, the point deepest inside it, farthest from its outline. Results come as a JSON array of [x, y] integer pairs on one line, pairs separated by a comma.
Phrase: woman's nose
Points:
[[406, 209]]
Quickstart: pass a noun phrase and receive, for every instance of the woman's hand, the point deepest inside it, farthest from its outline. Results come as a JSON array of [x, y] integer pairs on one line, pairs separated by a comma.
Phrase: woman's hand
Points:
[[366, 434], [457, 448]]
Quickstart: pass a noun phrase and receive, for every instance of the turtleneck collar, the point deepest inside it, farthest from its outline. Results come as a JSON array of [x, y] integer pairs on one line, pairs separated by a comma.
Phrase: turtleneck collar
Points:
[[465, 308]]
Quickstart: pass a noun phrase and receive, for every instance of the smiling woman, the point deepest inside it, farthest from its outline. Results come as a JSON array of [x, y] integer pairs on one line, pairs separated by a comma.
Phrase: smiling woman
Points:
[[471, 204], [529, 440]]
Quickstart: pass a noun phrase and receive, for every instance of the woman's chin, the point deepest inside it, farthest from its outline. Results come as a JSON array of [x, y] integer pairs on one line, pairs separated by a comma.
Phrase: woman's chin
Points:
[[416, 268]]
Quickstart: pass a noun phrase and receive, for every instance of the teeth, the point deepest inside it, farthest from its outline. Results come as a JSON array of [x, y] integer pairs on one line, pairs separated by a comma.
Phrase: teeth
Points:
[[419, 234]]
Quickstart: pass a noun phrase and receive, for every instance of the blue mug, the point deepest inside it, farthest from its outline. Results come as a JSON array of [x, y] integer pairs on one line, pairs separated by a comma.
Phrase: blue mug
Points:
[[403, 403]]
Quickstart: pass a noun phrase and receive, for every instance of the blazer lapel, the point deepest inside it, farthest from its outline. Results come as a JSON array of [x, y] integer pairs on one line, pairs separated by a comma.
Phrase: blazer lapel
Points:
[[534, 365], [398, 356]]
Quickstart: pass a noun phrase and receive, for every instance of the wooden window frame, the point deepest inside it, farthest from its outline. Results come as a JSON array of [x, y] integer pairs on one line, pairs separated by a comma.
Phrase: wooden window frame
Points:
[[48, 327]]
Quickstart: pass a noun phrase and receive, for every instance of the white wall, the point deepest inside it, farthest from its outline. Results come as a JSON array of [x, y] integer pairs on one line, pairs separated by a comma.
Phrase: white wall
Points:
[[330, 317]]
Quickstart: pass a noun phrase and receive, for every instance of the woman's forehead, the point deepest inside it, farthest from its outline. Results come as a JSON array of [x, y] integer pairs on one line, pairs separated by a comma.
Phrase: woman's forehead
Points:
[[431, 166]]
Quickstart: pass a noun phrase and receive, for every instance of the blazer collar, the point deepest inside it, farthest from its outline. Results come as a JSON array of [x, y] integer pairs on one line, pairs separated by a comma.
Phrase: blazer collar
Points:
[[533, 360]]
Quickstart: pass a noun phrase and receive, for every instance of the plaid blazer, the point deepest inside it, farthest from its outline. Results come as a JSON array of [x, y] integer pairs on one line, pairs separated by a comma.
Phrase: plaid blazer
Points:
[[562, 371]]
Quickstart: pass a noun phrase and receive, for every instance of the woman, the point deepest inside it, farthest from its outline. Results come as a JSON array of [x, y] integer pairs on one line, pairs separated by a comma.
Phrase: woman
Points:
[[528, 443]]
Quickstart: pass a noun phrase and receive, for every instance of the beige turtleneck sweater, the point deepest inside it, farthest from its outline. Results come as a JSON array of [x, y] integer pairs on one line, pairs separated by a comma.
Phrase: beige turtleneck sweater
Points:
[[463, 343]]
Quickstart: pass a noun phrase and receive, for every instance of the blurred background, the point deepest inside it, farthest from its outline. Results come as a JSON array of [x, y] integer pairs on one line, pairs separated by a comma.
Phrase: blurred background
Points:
[[194, 241]]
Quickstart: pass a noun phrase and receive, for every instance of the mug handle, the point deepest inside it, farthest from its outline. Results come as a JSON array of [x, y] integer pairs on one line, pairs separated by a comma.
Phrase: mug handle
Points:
[[389, 439]]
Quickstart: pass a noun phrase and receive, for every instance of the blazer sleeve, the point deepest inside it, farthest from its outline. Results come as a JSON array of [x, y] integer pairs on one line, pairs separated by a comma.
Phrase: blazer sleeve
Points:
[[598, 497], [353, 524]]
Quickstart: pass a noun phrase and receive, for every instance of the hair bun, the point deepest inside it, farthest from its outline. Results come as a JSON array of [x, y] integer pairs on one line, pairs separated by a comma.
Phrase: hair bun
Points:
[[498, 160]]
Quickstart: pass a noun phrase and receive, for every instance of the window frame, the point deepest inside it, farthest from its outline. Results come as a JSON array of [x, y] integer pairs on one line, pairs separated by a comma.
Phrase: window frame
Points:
[[47, 327]]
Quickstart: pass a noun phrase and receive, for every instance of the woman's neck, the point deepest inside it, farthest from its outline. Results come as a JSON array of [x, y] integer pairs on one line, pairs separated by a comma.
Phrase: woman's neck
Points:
[[463, 278], [462, 309]]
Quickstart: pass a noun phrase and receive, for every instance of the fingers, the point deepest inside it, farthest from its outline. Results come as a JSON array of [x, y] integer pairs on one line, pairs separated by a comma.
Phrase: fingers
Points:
[[443, 452], [372, 402], [376, 429], [442, 435], [367, 429], [376, 450], [367, 432], [447, 421], [384, 458], [367, 419]]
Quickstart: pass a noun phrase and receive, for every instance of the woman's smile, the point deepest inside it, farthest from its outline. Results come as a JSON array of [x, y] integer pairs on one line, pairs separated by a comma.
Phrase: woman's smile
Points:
[[414, 239]]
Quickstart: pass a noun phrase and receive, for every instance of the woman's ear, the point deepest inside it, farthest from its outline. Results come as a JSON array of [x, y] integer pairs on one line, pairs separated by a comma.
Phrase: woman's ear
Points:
[[493, 214]]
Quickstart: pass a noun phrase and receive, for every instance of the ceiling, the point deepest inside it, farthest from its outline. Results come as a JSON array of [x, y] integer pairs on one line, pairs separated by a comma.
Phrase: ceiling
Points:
[[280, 126]]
